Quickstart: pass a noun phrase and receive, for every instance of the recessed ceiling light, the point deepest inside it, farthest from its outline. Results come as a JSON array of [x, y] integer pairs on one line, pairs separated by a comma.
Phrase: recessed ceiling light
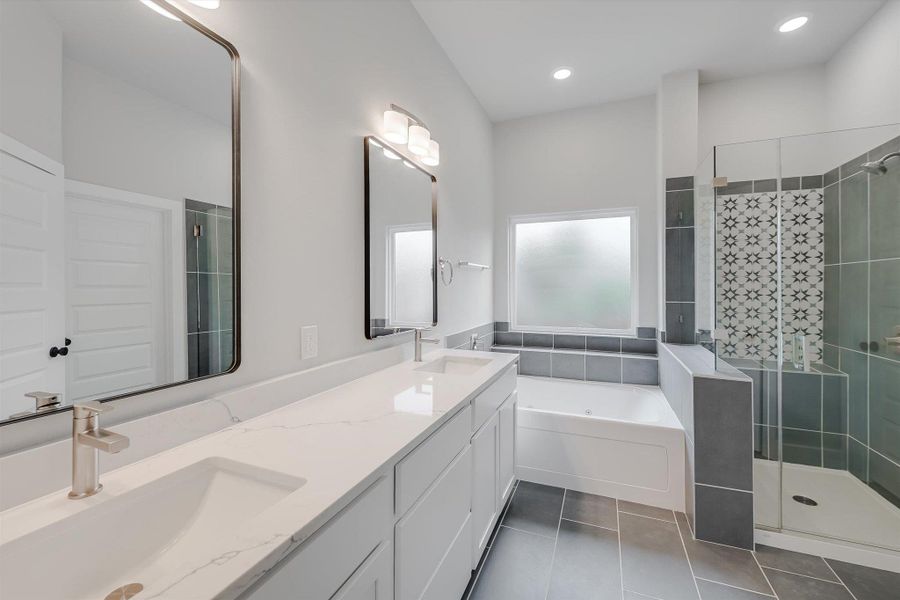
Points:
[[159, 9], [793, 24], [562, 73]]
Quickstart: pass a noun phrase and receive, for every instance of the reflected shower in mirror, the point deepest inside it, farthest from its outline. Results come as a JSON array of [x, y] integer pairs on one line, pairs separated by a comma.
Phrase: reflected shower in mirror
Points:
[[401, 246], [118, 213]]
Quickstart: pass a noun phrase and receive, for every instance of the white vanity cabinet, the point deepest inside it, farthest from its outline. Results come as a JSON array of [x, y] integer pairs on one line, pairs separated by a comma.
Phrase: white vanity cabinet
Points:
[[485, 485], [507, 426]]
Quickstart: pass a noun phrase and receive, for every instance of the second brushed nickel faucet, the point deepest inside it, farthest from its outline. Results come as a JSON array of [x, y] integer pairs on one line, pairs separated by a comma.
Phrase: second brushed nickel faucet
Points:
[[87, 439]]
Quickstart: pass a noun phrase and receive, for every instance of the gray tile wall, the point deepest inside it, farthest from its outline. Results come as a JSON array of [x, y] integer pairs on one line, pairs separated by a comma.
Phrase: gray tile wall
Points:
[[679, 261], [862, 309], [609, 359], [717, 417], [210, 289], [462, 340]]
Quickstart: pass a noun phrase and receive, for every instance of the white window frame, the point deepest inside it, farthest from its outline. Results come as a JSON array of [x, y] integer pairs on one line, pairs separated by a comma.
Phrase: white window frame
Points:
[[391, 231], [631, 212]]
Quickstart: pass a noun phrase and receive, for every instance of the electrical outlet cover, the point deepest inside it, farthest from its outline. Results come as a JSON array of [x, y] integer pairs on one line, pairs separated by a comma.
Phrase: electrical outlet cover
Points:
[[309, 342]]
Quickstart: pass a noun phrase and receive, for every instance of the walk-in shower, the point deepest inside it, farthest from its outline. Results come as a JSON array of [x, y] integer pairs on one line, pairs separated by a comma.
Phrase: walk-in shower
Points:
[[798, 281]]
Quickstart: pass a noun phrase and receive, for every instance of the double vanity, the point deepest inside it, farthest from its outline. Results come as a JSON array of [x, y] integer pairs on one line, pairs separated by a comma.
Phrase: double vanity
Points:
[[388, 486]]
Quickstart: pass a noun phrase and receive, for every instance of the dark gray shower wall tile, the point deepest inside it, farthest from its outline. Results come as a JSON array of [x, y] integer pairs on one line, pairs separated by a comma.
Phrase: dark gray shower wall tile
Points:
[[736, 187], [723, 433], [762, 186], [193, 295], [856, 366], [892, 145], [798, 587], [679, 183], [636, 346], [507, 338], [680, 265], [884, 202], [831, 176], [603, 368], [640, 371], [831, 305], [832, 224], [834, 403], [537, 340], [602, 343], [193, 355], [802, 400], [226, 352], [680, 208], [646, 333], [834, 451], [853, 166], [567, 365], [190, 242], [866, 583], [812, 182], [853, 303], [884, 305], [569, 342], [857, 460], [585, 564], [653, 559], [854, 218], [501, 326], [724, 516], [801, 447], [680, 322], [226, 301], [224, 244], [794, 562], [206, 243], [758, 378], [534, 362], [517, 568], [208, 302], [208, 360], [790, 184], [884, 407]]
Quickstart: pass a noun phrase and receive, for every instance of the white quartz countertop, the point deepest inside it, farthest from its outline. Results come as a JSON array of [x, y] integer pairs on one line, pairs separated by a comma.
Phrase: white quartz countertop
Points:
[[338, 441]]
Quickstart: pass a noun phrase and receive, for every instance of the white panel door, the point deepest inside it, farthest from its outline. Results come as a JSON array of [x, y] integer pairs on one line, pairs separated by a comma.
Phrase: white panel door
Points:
[[118, 293], [32, 313]]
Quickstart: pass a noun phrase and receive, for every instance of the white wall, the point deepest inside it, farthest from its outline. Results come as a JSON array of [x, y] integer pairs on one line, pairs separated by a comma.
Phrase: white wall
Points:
[[598, 157], [316, 78], [863, 77], [31, 74], [121, 136]]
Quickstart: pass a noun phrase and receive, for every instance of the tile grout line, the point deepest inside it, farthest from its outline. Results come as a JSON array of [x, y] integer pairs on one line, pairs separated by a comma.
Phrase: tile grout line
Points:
[[687, 555], [588, 524], [734, 586], [625, 512], [562, 507], [546, 537], [849, 591], [763, 571], [807, 576], [619, 539]]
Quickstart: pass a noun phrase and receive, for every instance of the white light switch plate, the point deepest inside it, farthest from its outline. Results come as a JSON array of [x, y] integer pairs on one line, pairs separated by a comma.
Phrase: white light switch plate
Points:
[[309, 342]]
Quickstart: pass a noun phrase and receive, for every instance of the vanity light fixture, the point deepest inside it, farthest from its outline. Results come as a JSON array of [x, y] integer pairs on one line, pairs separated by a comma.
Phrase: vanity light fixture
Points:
[[562, 73], [406, 163], [793, 24], [159, 10], [403, 127], [391, 155]]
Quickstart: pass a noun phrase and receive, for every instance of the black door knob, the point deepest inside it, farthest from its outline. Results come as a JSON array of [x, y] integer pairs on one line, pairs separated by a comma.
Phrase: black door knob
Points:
[[54, 351]]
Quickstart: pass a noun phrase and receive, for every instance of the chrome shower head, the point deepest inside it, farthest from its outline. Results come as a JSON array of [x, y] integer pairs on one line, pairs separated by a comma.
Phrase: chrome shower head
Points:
[[878, 167]]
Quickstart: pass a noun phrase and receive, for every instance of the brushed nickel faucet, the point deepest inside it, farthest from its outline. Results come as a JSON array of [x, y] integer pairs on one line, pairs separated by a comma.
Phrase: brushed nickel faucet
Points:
[[87, 439], [419, 341]]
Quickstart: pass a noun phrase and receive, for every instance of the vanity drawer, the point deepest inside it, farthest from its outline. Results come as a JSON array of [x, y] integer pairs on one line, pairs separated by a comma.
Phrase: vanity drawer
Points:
[[452, 577], [321, 565], [488, 401], [423, 537], [421, 467]]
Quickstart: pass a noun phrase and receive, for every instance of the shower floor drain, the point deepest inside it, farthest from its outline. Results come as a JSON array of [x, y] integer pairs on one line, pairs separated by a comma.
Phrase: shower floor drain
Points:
[[125, 592], [805, 500]]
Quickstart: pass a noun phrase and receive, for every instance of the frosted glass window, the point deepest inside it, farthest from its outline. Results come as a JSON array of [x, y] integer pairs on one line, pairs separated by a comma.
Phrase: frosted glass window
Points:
[[574, 272], [409, 272]]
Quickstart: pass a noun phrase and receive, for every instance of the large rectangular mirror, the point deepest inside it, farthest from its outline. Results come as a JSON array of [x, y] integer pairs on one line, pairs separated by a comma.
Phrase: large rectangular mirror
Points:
[[401, 242], [119, 202]]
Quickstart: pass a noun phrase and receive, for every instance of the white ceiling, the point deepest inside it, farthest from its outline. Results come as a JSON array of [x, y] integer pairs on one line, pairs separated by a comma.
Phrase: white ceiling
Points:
[[507, 49]]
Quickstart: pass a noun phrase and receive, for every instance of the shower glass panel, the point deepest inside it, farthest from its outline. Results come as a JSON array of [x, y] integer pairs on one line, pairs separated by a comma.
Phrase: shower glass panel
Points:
[[807, 304]]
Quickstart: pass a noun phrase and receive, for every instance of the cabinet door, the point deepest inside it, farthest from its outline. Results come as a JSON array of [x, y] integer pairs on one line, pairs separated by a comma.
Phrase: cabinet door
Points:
[[485, 484], [507, 447], [374, 580]]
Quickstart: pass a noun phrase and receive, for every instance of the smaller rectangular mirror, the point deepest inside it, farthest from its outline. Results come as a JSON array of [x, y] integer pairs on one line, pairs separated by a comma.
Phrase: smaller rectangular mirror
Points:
[[401, 242]]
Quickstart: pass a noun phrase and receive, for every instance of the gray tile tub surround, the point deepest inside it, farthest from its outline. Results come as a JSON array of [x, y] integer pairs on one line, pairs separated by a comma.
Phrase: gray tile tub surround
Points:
[[586, 366], [461, 340]]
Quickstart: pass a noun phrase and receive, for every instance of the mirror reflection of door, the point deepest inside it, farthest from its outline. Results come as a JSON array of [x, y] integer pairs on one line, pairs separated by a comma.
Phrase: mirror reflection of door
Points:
[[116, 192], [401, 242]]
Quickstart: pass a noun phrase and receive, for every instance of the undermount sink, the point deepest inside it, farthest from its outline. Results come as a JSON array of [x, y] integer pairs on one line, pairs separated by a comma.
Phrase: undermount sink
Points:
[[140, 535], [454, 365]]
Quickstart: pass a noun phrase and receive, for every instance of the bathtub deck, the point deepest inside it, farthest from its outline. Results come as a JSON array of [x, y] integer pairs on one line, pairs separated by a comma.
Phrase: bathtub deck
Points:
[[557, 544]]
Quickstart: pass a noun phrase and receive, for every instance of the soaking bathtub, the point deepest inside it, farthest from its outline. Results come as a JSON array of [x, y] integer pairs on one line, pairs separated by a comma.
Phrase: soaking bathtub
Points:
[[616, 440]]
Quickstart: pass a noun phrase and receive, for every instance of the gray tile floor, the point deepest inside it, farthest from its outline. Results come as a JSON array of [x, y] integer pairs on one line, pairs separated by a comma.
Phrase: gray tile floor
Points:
[[555, 544]]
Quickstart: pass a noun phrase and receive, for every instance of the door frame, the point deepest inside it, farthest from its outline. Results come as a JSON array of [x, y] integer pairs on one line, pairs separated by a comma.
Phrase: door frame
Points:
[[172, 212]]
